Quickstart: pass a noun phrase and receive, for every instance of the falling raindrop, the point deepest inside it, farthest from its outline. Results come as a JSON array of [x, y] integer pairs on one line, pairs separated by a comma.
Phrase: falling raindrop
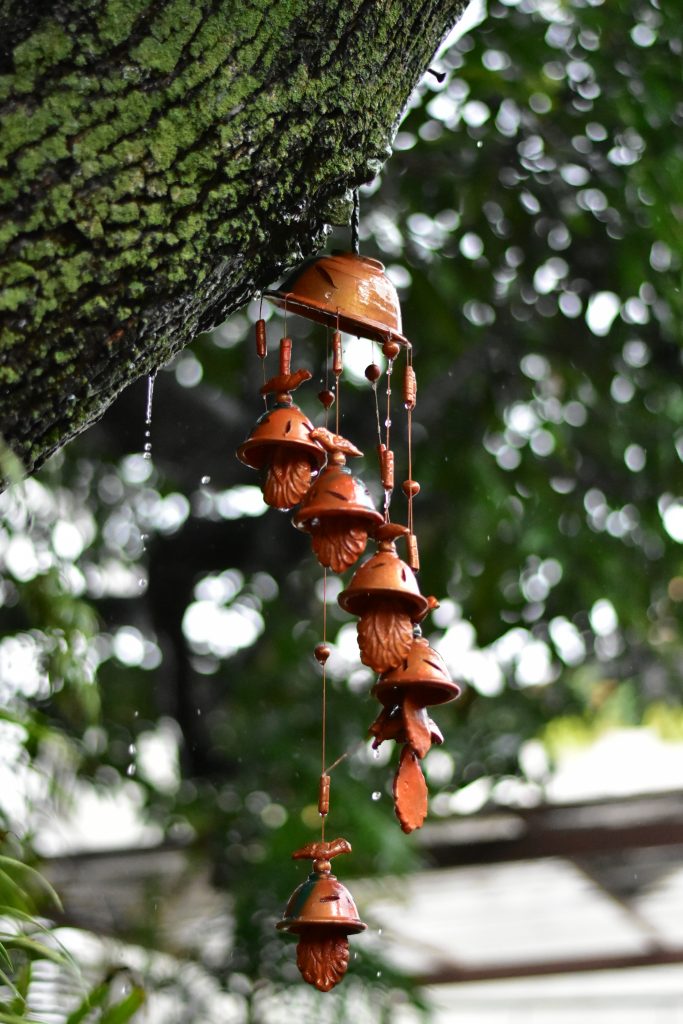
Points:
[[205, 480], [147, 449], [376, 795]]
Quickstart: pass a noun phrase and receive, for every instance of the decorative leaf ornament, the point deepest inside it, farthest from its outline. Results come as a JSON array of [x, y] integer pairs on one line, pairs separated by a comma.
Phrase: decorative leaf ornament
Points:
[[287, 479], [322, 958], [410, 791], [384, 636]]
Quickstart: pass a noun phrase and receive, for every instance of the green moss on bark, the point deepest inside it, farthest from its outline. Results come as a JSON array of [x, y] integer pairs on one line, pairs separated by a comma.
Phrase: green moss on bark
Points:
[[161, 161]]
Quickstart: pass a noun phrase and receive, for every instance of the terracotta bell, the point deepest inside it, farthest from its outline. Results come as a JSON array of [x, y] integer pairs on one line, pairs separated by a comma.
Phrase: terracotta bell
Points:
[[321, 911], [281, 444], [405, 692], [338, 511], [423, 675], [385, 595], [345, 291]]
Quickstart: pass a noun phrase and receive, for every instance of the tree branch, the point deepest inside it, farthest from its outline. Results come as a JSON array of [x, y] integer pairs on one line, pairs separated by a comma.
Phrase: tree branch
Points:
[[162, 161]]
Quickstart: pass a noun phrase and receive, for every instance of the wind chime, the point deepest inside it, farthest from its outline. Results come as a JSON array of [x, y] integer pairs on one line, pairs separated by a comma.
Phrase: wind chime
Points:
[[306, 466]]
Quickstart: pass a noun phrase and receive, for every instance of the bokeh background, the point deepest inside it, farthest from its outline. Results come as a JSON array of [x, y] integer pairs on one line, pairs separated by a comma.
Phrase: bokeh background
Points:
[[161, 707]]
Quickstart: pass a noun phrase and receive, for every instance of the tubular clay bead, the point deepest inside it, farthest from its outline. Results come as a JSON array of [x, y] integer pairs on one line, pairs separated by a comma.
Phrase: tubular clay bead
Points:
[[409, 388], [413, 558], [337, 363], [285, 356], [387, 467], [373, 372], [391, 348], [324, 795], [326, 398], [261, 340], [411, 488], [321, 653]]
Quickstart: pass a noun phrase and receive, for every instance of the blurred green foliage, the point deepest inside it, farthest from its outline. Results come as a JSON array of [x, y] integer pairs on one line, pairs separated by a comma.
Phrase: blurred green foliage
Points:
[[157, 629]]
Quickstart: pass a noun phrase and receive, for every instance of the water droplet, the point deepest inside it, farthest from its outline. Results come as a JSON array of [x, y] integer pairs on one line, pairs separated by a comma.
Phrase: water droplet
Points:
[[147, 453], [376, 795], [479, 144], [379, 974], [131, 748], [379, 931], [130, 770], [375, 753], [141, 583], [387, 423], [206, 480]]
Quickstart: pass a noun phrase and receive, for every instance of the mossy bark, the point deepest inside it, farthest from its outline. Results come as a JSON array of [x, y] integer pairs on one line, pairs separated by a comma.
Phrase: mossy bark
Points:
[[161, 160]]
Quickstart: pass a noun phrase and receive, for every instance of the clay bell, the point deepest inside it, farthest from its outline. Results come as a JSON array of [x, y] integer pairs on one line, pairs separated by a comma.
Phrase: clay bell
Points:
[[338, 511], [384, 594], [280, 444], [422, 674], [321, 911], [344, 291]]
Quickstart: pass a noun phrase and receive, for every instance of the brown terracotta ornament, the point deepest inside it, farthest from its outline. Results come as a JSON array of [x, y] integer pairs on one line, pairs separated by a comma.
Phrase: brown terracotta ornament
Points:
[[347, 292], [321, 911], [384, 594], [390, 725], [337, 511], [410, 791], [405, 692], [280, 444]]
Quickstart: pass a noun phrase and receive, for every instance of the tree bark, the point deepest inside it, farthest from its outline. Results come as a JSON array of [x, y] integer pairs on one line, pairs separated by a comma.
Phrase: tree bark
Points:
[[161, 161]]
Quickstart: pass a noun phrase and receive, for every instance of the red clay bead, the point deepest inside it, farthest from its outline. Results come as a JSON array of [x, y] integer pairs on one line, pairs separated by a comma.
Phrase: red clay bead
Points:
[[411, 488], [326, 398], [391, 348], [373, 372], [322, 653]]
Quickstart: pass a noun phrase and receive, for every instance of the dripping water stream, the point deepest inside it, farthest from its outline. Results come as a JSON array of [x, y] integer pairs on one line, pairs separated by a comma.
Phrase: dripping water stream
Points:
[[147, 448]]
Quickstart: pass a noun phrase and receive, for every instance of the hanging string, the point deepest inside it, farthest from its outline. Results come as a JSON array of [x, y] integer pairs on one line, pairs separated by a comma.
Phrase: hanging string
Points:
[[355, 223], [337, 370], [324, 792], [347, 753], [327, 373], [263, 360], [387, 454], [409, 406]]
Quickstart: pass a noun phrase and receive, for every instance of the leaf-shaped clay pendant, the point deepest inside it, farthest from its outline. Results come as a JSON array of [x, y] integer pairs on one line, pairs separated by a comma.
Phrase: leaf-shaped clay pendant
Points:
[[384, 637], [322, 957], [338, 546], [288, 477], [410, 792], [418, 733]]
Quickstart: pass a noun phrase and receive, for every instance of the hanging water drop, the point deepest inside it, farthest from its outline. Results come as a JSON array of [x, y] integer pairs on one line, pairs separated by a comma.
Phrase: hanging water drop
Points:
[[205, 480], [376, 795], [375, 753], [147, 449], [130, 770]]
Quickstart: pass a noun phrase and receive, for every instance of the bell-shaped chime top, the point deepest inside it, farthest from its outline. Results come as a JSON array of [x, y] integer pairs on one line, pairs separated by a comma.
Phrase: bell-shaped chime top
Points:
[[321, 911], [384, 594], [344, 291], [385, 575], [338, 511], [423, 673]]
